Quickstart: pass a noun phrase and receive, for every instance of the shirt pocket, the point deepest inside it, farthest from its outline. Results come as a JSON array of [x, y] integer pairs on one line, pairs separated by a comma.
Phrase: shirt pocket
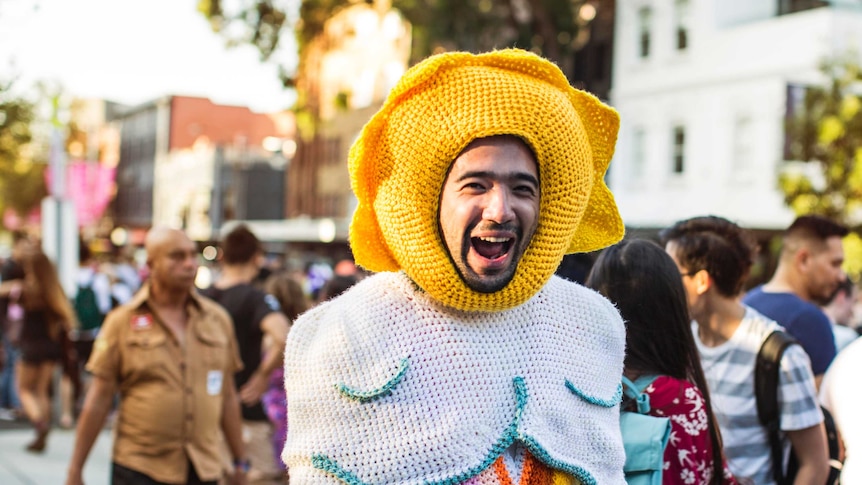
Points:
[[147, 354], [215, 351]]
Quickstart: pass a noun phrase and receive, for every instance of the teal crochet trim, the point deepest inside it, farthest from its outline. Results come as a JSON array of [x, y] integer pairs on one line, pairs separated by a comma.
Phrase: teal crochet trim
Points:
[[605, 403], [384, 390], [536, 449], [324, 463], [509, 436]]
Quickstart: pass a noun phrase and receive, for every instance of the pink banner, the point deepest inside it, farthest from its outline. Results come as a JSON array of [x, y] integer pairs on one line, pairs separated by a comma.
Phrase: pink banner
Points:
[[90, 186]]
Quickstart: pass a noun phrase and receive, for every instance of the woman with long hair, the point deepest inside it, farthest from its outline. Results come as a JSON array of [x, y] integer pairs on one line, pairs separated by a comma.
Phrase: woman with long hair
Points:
[[288, 291], [293, 302], [48, 317], [644, 283]]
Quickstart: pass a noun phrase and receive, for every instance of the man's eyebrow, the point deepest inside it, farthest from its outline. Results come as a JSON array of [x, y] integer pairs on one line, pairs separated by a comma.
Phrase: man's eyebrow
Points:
[[523, 176]]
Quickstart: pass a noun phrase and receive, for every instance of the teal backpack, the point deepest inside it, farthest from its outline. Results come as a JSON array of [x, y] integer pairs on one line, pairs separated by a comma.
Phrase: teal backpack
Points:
[[645, 437], [87, 309]]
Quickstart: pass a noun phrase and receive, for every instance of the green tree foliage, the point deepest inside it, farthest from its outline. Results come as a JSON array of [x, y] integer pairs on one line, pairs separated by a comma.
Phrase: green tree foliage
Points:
[[22, 183], [827, 131], [548, 27]]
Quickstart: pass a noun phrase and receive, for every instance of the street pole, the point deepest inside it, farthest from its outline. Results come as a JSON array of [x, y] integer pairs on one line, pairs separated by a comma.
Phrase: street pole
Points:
[[59, 224], [217, 202]]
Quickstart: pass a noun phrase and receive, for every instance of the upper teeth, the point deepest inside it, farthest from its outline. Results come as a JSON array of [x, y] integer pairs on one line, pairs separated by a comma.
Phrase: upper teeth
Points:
[[494, 239]]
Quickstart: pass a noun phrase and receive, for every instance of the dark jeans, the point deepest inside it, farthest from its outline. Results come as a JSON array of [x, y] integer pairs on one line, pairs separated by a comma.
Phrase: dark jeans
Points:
[[8, 391], [121, 475]]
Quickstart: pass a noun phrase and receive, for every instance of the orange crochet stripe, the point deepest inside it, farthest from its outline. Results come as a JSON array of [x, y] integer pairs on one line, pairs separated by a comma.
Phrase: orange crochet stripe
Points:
[[534, 472]]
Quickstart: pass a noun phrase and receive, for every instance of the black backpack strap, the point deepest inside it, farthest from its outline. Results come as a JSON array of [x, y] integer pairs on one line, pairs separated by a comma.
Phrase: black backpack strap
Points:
[[766, 394]]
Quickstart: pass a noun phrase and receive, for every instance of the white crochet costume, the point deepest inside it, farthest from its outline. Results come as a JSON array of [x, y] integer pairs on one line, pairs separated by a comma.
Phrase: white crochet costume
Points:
[[386, 385]]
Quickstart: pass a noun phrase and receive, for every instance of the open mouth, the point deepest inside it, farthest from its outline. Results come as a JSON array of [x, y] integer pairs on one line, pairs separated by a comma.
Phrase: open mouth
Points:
[[492, 247]]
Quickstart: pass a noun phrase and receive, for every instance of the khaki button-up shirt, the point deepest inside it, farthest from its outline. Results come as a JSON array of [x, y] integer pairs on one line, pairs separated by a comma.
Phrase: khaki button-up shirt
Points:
[[171, 396]]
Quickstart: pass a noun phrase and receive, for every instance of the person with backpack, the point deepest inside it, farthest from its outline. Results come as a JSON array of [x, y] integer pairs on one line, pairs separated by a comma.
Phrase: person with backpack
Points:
[[808, 274], [661, 358], [91, 302], [714, 257]]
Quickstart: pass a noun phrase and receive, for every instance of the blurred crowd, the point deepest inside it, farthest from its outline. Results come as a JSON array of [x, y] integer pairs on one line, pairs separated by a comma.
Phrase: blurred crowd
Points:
[[47, 332], [48, 335]]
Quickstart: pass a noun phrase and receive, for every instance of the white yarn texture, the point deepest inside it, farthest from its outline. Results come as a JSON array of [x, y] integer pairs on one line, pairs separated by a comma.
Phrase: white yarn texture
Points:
[[455, 400]]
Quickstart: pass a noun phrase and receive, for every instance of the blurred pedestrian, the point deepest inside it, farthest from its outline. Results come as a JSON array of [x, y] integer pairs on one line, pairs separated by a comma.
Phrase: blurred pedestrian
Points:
[[808, 273], [293, 302], [335, 286], [463, 359], [291, 298], [11, 318], [840, 311], [91, 302], [44, 342], [126, 270], [840, 394], [255, 316], [714, 257], [171, 355], [643, 282]]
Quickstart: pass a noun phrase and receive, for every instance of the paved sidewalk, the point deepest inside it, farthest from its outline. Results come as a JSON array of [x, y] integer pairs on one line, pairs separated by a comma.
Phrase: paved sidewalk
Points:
[[19, 467]]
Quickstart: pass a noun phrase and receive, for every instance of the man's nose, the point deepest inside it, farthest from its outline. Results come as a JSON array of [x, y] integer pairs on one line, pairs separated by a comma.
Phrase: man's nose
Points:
[[498, 207]]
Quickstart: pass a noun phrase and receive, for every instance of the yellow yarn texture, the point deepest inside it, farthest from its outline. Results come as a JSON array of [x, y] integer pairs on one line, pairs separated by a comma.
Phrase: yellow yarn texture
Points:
[[401, 159]]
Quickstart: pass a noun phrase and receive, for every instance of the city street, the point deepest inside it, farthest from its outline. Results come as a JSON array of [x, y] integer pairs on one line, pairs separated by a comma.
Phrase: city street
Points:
[[19, 467]]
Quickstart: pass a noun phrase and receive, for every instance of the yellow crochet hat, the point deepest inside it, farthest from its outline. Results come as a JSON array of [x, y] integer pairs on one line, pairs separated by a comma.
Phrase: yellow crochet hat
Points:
[[401, 159]]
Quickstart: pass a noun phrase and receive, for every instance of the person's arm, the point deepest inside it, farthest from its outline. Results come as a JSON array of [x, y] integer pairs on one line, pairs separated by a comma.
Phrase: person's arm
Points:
[[809, 445], [97, 405], [9, 287], [231, 423], [801, 418], [274, 326], [813, 330]]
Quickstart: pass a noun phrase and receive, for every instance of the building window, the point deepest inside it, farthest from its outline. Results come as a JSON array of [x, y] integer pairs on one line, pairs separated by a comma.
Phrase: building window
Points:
[[678, 149], [645, 20], [791, 6], [682, 23], [600, 62], [799, 135]]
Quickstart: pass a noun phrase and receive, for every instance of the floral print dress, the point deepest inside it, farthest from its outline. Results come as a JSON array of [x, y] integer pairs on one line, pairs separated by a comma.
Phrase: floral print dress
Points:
[[688, 456]]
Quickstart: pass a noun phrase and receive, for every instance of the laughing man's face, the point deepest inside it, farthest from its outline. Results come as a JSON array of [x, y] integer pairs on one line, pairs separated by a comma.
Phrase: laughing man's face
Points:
[[489, 210]]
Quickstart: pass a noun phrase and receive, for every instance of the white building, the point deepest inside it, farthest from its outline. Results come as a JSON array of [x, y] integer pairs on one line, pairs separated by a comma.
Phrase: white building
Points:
[[702, 91]]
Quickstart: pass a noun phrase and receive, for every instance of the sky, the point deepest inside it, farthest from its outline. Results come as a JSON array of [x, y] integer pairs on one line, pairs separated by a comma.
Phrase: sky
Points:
[[131, 52]]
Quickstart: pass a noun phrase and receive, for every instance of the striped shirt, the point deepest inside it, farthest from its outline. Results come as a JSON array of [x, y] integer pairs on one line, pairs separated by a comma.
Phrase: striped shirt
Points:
[[729, 370]]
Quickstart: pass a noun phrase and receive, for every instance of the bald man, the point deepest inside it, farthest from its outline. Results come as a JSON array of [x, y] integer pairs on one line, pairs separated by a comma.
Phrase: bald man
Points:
[[171, 355]]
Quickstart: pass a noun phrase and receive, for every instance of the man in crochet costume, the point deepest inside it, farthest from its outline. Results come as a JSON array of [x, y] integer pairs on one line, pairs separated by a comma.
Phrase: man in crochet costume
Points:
[[464, 359]]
